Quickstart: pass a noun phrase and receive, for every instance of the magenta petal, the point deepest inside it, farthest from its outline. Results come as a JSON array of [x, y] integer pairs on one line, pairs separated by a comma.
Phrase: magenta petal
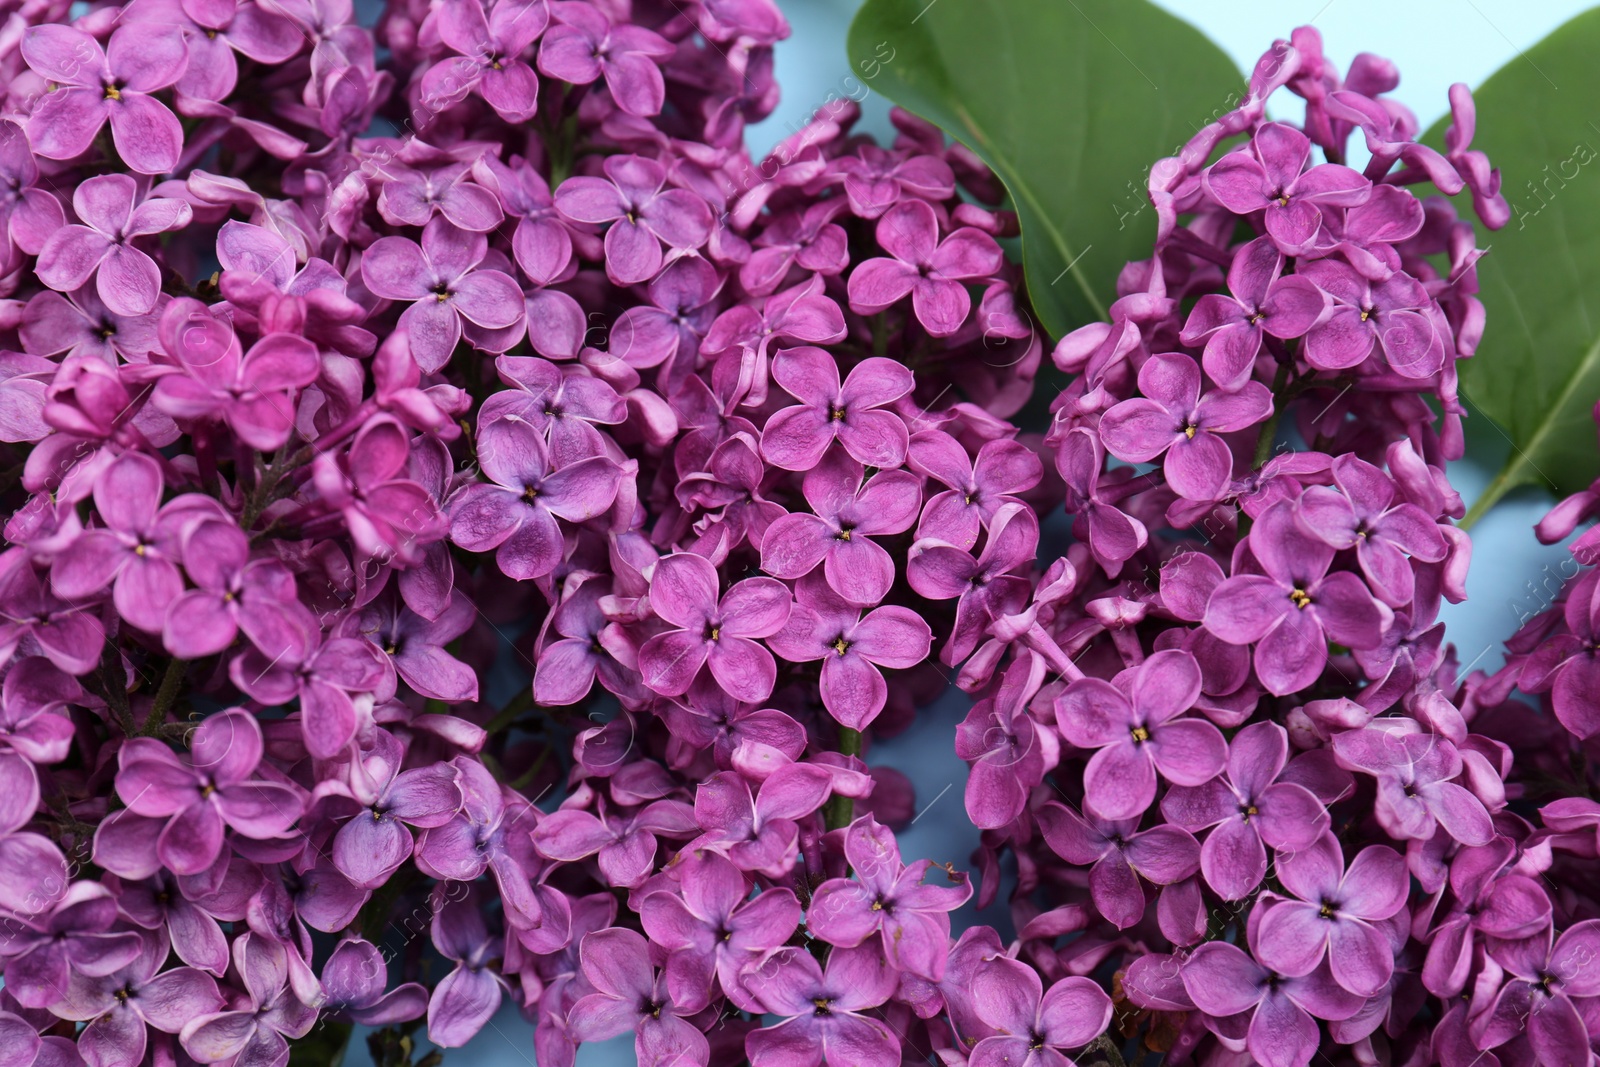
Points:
[[148, 136], [1120, 782], [65, 122]]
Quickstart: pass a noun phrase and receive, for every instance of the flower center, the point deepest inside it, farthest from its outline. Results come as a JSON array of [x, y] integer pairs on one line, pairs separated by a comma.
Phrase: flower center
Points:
[[1329, 909], [1300, 597], [835, 413], [113, 93], [823, 1005], [840, 645], [1139, 734], [1189, 429]]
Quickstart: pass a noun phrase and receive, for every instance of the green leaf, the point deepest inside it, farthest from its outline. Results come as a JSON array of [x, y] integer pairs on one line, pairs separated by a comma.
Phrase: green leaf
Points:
[[1537, 372], [1070, 101]]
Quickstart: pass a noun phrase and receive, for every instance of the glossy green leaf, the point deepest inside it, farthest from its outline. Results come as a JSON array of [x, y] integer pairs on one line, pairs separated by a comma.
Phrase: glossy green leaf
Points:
[[1537, 372], [1070, 101]]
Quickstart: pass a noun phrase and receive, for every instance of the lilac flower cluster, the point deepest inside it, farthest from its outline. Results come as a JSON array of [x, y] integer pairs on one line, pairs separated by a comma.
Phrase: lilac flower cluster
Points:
[[348, 373]]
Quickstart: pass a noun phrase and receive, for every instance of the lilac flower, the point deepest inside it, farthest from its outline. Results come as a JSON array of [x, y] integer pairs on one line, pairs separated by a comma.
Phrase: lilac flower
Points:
[[415, 645], [112, 84], [1008, 752], [1281, 1030], [852, 648], [1416, 796], [322, 677], [74, 935], [34, 873], [157, 905], [923, 267], [720, 634], [887, 898], [233, 593], [668, 330], [1113, 536], [28, 214], [713, 928], [875, 180], [32, 730], [624, 844], [802, 312], [1250, 805], [214, 30], [490, 46], [1361, 513], [731, 485], [977, 486], [1472, 165], [268, 295], [81, 324], [758, 832], [708, 718], [631, 197], [822, 1009], [563, 405], [1567, 665], [795, 437], [542, 242], [464, 999], [127, 280], [442, 281], [986, 586], [1120, 857], [388, 515], [254, 394], [1034, 1026], [631, 994], [1295, 608], [568, 665], [199, 794], [1173, 418], [1263, 303], [372, 844], [1336, 913], [1133, 724], [584, 46], [120, 1005], [434, 183], [259, 1029], [354, 978], [849, 512], [1270, 175], [1546, 973], [811, 241], [1491, 902], [1394, 314], [488, 835], [136, 552], [515, 513]]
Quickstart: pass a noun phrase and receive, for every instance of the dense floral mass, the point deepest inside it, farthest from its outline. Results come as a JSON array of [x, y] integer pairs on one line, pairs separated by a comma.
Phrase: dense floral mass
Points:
[[347, 370]]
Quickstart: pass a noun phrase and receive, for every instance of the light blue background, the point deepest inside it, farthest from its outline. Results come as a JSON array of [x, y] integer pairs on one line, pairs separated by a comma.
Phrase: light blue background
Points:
[[1435, 43]]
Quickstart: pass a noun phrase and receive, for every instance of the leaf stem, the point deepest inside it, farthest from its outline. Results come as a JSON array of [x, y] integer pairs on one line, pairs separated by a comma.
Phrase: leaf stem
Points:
[[840, 809], [166, 695], [1502, 484], [1281, 393]]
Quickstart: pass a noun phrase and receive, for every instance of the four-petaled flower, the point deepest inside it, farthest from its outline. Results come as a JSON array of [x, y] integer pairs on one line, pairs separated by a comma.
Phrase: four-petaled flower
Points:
[[127, 280], [719, 633]]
